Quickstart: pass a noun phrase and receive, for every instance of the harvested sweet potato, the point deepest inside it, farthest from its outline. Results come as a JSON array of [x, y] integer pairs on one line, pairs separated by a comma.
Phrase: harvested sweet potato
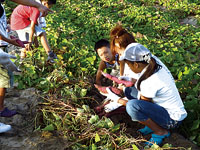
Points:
[[115, 79], [103, 89]]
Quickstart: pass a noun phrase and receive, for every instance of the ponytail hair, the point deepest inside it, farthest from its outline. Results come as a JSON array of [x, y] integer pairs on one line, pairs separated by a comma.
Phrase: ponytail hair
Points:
[[151, 69]]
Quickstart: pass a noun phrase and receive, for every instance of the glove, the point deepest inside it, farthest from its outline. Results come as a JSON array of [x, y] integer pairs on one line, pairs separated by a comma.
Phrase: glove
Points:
[[125, 78], [6, 62], [112, 96], [111, 106]]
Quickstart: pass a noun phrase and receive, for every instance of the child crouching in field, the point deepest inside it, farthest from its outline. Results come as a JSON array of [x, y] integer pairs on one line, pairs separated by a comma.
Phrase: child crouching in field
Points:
[[108, 60], [24, 21]]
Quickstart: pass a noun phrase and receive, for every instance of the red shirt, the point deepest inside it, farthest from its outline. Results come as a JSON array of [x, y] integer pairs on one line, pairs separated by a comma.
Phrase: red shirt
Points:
[[22, 16]]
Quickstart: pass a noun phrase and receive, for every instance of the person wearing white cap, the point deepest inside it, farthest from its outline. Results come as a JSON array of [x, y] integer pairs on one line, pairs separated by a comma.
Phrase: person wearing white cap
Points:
[[154, 100]]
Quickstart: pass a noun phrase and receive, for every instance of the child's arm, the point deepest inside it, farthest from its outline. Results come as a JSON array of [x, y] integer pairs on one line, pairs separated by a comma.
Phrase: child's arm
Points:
[[32, 30], [102, 66], [44, 10], [122, 65], [11, 41], [145, 98]]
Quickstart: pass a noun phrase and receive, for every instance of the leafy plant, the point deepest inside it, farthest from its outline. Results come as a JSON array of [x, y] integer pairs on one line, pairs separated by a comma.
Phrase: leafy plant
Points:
[[72, 31]]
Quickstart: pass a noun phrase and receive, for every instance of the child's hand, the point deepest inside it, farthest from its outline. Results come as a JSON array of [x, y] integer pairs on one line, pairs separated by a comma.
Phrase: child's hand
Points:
[[121, 86], [17, 42], [14, 42], [28, 46]]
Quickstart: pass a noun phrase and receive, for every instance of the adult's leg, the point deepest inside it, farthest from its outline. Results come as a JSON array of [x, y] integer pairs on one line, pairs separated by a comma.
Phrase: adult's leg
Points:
[[155, 127], [150, 114], [153, 116], [2, 96]]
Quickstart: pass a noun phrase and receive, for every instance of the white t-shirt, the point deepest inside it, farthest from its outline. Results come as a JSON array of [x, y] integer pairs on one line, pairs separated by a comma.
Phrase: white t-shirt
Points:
[[162, 89], [3, 27]]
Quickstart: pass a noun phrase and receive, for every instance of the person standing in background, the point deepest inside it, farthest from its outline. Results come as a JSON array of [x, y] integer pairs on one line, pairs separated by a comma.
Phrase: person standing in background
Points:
[[5, 62]]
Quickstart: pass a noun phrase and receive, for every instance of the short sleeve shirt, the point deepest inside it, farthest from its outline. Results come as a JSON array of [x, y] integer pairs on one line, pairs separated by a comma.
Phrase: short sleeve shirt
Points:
[[3, 25], [22, 17], [162, 89]]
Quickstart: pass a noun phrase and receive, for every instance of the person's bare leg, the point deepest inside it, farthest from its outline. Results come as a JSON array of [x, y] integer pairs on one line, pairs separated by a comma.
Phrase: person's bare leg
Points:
[[44, 42], [2, 96], [155, 127]]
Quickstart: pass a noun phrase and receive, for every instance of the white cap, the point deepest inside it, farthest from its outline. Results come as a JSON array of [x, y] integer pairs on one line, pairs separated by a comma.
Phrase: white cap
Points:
[[136, 52]]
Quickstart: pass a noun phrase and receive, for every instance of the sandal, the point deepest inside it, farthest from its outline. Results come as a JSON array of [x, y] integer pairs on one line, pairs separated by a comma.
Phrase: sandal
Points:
[[7, 113], [157, 139], [146, 130]]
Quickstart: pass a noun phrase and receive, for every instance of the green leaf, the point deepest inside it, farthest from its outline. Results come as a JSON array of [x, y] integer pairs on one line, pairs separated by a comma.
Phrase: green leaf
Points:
[[154, 146], [195, 125], [187, 71], [198, 139], [135, 147], [180, 75], [91, 59], [109, 122], [97, 138], [80, 110], [93, 119], [86, 108], [167, 145], [83, 92], [56, 116], [116, 127], [94, 147], [49, 128]]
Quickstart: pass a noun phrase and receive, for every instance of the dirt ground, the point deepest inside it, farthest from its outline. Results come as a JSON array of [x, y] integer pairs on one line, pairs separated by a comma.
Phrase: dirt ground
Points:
[[23, 137]]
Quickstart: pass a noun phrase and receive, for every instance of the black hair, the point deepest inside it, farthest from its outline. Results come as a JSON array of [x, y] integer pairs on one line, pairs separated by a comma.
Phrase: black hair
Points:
[[151, 69], [101, 43], [50, 2]]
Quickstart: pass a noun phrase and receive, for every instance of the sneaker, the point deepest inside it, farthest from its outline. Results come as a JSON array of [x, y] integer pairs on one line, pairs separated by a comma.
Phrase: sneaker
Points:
[[51, 57], [7, 113], [4, 127]]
